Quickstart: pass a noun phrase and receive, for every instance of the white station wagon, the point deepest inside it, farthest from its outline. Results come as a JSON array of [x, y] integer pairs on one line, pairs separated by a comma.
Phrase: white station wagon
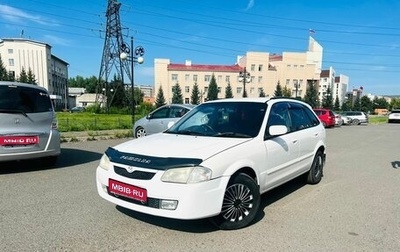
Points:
[[216, 161]]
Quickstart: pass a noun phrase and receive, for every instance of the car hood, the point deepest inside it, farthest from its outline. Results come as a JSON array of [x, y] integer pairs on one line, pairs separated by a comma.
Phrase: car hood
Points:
[[181, 146]]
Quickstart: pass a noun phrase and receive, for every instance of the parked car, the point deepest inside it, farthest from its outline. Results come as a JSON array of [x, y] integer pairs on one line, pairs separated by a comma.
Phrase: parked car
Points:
[[28, 124], [394, 116], [357, 117], [338, 119], [326, 116], [160, 119], [346, 120], [216, 161], [77, 109]]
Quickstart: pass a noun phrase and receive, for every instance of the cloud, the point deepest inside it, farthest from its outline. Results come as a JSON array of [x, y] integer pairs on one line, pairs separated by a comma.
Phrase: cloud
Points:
[[19, 16], [250, 5], [54, 40]]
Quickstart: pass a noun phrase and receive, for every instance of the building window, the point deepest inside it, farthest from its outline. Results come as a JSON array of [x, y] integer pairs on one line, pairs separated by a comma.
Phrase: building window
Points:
[[187, 101], [195, 78], [219, 89], [10, 51], [174, 77], [252, 90], [287, 82], [253, 67], [187, 77], [260, 68], [259, 79], [11, 62], [205, 90], [207, 78], [239, 90], [187, 89], [228, 79], [219, 79], [300, 82], [12, 73]]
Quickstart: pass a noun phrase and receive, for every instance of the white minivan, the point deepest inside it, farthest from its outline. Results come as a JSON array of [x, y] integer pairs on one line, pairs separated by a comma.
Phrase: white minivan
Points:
[[28, 124]]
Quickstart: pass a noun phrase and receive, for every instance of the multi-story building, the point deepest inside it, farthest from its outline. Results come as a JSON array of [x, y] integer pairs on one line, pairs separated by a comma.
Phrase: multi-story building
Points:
[[340, 87], [337, 84], [50, 71], [291, 69]]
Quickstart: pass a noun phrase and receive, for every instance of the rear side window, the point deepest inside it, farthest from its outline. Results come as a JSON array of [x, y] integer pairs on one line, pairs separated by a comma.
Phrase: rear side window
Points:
[[24, 99], [302, 117]]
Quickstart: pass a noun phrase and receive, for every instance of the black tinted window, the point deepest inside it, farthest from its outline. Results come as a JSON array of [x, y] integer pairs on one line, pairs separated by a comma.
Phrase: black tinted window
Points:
[[24, 99]]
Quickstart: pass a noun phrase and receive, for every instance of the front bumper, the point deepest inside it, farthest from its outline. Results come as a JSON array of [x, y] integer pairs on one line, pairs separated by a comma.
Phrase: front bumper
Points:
[[195, 201]]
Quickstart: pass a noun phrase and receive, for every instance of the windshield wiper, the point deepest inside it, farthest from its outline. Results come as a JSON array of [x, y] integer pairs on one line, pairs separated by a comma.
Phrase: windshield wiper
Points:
[[13, 111], [232, 134], [187, 132]]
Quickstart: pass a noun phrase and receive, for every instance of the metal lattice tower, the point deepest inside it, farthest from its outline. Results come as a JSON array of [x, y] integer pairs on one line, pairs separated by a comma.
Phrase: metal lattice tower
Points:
[[111, 63]]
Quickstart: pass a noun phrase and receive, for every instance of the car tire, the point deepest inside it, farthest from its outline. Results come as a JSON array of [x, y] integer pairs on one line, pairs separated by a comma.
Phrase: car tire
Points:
[[356, 122], [240, 204], [140, 132], [315, 173]]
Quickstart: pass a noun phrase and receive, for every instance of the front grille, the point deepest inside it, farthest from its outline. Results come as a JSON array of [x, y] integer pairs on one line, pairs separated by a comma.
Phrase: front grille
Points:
[[151, 202], [133, 175]]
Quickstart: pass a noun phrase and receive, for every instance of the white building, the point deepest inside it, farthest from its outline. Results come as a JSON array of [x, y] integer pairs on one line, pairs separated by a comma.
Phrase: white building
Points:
[[50, 71]]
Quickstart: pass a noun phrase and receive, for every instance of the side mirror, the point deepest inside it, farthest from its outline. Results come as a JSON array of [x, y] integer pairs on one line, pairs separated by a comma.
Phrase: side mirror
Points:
[[170, 124], [277, 130]]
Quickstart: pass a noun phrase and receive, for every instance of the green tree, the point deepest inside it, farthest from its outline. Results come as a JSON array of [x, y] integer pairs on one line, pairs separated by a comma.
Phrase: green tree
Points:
[[394, 103], [212, 93], [311, 96], [195, 96], [228, 91], [366, 104], [90, 84], [286, 92], [346, 106], [380, 103], [262, 93], [336, 106], [160, 99], [357, 104], [23, 77], [31, 77], [278, 90], [4, 76], [177, 97], [327, 99]]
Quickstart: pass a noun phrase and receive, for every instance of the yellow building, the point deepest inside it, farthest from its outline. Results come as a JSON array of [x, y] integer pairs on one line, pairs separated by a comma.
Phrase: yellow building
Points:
[[291, 69]]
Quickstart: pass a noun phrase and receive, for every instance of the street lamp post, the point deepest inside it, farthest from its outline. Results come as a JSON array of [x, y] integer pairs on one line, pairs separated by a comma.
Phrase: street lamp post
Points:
[[245, 78], [133, 56]]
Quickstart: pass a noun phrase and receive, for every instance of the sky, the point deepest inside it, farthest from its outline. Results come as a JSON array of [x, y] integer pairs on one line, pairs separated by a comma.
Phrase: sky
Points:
[[360, 38]]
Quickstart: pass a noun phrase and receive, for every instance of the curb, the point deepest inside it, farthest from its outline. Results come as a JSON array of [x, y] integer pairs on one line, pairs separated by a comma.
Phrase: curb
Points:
[[82, 136]]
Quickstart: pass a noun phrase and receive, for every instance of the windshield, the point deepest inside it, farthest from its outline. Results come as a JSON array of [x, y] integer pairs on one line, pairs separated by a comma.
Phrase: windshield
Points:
[[17, 99], [222, 119]]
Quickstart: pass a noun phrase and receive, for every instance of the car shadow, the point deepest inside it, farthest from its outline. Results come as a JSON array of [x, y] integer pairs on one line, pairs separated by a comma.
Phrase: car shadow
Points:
[[396, 164], [204, 225], [67, 158]]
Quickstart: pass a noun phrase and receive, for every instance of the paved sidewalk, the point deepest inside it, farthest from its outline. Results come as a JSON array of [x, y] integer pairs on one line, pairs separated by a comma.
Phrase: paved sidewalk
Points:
[[79, 136]]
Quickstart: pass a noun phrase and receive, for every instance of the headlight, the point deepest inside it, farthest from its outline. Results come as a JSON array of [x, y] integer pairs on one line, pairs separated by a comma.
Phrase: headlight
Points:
[[187, 175], [105, 162]]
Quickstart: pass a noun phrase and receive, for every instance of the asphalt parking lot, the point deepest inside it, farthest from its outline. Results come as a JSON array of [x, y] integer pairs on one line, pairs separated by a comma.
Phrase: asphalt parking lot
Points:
[[356, 207]]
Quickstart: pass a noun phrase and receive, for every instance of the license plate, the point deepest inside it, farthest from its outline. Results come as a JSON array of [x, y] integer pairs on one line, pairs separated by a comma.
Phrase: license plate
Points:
[[126, 190], [19, 140]]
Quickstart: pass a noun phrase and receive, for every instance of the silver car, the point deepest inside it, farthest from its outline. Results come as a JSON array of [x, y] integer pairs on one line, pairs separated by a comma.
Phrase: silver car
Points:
[[28, 124], [160, 119]]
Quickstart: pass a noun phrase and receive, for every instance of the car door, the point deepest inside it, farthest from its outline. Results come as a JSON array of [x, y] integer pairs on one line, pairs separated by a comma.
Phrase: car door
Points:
[[158, 120], [281, 151], [304, 124]]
